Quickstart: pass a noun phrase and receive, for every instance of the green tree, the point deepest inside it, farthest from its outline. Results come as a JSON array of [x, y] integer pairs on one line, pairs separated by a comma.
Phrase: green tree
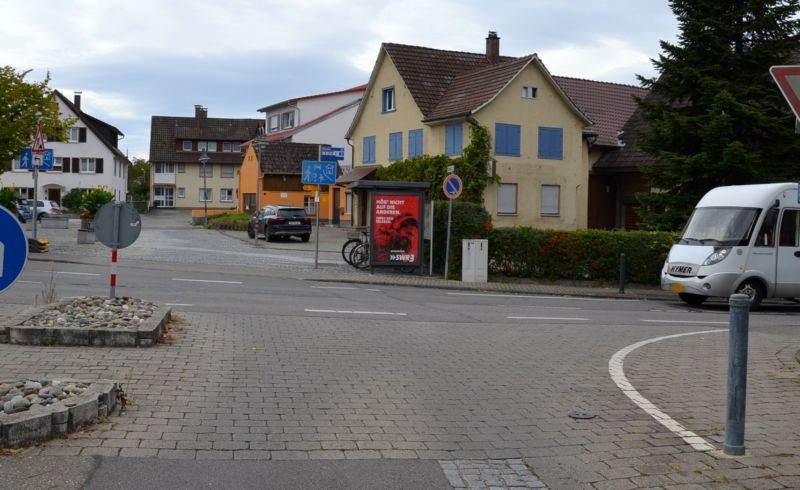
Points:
[[714, 116], [22, 104], [139, 179]]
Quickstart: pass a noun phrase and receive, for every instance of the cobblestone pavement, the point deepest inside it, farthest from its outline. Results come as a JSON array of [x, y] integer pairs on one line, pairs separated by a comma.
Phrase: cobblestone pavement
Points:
[[254, 387]]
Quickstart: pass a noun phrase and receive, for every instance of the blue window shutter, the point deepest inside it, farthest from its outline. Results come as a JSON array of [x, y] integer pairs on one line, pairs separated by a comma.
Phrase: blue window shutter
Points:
[[395, 146], [501, 140], [507, 139], [551, 143], [453, 140], [514, 140], [414, 143], [459, 144], [369, 149]]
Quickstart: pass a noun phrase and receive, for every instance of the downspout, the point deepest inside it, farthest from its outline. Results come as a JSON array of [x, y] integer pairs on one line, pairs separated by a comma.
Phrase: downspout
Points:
[[352, 165]]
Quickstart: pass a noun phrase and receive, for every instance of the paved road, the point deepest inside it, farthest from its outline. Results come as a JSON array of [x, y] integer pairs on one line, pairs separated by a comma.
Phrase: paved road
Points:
[[434, 401]]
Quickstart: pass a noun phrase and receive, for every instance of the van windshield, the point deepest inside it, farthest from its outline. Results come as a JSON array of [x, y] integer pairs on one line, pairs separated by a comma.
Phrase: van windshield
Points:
[[720, 226]]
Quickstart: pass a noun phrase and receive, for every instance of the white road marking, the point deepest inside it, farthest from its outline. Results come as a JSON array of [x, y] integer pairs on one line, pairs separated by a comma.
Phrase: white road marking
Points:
[[531, 307], [684, 321], [353, 312], [79, 273], [29, 282], [615, 369], [333, 287], [546, 318], [490, 295], [179, 304], [206, 280]]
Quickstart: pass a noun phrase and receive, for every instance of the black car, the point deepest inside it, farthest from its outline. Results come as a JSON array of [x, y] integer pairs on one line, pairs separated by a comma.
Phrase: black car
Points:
[[280, 221]]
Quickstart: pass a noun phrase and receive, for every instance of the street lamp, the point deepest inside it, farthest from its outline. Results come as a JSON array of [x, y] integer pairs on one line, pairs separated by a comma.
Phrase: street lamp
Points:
[[204, 158]]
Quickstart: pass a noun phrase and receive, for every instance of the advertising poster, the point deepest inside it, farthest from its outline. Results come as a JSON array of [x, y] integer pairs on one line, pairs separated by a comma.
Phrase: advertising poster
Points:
[[395, 230]]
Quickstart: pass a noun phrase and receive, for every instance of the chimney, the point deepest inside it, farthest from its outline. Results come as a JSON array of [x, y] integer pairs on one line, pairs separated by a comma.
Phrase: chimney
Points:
[[492, 47], [77, 99], [200, 112]]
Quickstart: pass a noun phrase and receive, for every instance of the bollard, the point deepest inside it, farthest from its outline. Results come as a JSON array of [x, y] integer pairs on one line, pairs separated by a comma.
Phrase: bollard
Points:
[[622, 273], [737, 374]]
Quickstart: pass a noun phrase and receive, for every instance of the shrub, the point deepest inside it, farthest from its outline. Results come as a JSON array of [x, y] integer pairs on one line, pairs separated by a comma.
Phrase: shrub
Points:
[[72, 200], [229, 221], [469, 221], [8, 199], [94, 199]]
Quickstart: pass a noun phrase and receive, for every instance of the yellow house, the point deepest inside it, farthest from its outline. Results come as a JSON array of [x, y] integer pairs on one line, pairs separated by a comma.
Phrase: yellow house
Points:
[[418, 100]]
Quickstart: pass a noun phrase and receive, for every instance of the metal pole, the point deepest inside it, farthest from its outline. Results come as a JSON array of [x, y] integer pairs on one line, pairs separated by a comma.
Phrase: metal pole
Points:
[[622, 273], [430, 259], [316, 211], [447, 243], [35, 196], [114, 246], [205, 197], [737, 374]]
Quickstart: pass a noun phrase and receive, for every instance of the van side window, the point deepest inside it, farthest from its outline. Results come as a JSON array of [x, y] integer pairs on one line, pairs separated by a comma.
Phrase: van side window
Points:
[[789, 228], [766, 236]]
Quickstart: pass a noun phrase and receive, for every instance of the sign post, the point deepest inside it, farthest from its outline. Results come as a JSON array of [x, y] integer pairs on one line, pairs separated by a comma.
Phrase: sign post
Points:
[[320, 173], [452, 187], [37, 148], [117, 225], [13, 249]]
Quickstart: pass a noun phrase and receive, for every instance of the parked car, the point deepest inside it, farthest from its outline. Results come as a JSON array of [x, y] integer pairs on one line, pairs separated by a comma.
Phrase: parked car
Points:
[[23, 211], [44, 208], [274, 221]]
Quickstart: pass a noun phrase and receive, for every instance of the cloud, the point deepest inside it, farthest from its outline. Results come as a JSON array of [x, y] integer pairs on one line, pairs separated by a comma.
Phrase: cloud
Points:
[[108, 106], [605, 58]]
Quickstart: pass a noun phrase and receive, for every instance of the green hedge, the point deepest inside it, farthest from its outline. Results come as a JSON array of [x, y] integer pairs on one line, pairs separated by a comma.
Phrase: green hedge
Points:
[[469, 221], [229, 221], [586, 255]]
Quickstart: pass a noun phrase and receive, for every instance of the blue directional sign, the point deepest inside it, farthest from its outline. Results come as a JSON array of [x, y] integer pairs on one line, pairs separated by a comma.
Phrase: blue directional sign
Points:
[[26, 160], [332, 154], [13, 249], [318, 172]]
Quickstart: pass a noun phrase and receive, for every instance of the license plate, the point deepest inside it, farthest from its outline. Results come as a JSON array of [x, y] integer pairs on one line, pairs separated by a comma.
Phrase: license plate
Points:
[[678, 288], [294, 223]]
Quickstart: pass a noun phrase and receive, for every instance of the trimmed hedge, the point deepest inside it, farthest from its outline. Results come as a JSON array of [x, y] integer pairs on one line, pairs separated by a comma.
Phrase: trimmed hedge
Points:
[[229, 221], [583, 255]]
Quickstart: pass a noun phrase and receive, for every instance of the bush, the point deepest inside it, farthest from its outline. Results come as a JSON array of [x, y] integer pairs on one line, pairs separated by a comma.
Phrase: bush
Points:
[[469, 221], [72, 200], [8, 199], [94, 199], [586, 255], [229, 221]]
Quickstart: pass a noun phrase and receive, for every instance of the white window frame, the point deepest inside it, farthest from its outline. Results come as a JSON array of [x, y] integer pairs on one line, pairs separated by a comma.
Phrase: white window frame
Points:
[[205, 194], [212, 145], [274, 123], [181, 192], [388, 99], [202, 145], [226, 171], [164, 168], [209, 167], [287, 120], [348, 203], [502, 200], [550, 200], [58, 164], [73, 134], [88, 166], [529, 92], [187, 143], [226, 195]]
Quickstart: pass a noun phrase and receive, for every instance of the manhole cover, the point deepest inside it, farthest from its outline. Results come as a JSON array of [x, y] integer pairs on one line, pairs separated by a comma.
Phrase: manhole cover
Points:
[[580, 414]]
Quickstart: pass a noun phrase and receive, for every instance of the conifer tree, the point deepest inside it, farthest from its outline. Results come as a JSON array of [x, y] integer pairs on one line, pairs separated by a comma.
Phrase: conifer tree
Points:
[[714, 115]]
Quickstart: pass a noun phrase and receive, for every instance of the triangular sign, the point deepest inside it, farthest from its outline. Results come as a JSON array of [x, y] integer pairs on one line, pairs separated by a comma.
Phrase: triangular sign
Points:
[[788, 80], [38, 142]]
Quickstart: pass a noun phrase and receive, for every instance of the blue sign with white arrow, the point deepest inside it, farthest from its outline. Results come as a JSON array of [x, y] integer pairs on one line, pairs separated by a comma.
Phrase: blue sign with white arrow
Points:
[[26, 160], [323, 173], [13, 249]]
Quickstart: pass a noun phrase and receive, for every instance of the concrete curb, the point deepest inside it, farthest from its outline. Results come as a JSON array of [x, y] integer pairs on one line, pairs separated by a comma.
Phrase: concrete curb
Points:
[[146, 335], [44, 423]]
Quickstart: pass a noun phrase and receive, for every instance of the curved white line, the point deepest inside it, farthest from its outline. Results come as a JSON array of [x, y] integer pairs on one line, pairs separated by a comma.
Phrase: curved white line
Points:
[[618, 375]]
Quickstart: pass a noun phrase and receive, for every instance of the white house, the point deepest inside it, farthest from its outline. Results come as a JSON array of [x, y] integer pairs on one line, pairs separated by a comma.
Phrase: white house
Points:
[[318, 119], [88, 158]]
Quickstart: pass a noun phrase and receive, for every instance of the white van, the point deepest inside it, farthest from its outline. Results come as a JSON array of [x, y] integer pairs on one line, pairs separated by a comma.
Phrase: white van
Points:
[[739, 239]]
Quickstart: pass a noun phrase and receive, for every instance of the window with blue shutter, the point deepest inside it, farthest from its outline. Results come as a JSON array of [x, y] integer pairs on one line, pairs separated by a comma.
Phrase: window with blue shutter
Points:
[[551, 143], [506, 139], [369, 149], [395, 146], [415, 143], [453, 136]]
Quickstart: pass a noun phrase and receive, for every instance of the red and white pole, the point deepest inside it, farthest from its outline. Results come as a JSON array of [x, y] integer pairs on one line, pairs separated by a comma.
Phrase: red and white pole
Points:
[[113, 271]]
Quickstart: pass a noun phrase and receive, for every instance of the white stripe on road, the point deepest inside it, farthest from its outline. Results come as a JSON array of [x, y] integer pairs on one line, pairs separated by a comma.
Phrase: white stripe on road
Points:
[[487, 295], [30, 282], [79, 273], [333, 287], [352, 312], [615, 369], [206, 280], [179, 304], [547, 318], [684, 321]]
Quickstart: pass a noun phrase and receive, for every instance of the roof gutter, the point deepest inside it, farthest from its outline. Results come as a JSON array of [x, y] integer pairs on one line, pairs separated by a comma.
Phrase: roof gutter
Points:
[[448, 119]]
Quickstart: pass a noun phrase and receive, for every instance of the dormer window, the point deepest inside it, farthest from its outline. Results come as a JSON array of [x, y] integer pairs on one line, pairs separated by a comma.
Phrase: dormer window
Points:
[[274, 123], [287, 120], [389, 103], [530, 92]]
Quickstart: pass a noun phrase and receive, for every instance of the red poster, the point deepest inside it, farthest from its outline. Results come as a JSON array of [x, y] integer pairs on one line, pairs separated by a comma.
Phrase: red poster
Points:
[[395, 231]]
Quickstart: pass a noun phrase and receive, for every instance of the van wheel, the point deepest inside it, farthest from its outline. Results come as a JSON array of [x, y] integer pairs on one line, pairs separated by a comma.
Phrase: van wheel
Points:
[[753, 289], [692, 299]]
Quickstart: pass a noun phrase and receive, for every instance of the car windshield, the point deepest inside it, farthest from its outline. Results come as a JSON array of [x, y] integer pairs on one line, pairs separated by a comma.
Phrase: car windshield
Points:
[[292, 213], [718, 226]]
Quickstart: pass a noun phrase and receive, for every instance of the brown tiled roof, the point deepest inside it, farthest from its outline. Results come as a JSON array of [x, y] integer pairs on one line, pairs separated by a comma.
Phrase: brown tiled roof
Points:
[[358, 173], [471, 90], [608, 105], [165, 131], [629, 156], [427, 72], [107, 133], [281, 158]]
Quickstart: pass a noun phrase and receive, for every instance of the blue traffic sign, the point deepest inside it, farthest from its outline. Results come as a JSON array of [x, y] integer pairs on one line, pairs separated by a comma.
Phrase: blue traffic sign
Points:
[[332, 154], [318, 172], [13, 249], [26, 160], [452, 186]]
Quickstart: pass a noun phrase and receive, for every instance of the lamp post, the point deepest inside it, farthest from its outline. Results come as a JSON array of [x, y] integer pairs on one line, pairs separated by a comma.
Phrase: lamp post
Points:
[[204, 158]]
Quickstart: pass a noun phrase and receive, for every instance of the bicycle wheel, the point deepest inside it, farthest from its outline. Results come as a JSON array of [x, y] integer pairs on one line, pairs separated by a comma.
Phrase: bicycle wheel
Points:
[[348, 247], [359, 256]]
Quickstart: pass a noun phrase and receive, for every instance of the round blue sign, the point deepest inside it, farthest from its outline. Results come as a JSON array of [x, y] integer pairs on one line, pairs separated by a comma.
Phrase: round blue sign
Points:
[[13, 249], [452, 186]]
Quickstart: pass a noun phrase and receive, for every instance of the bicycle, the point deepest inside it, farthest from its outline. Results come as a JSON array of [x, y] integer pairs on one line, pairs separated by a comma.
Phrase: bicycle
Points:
[[348, 247], [359, 256]]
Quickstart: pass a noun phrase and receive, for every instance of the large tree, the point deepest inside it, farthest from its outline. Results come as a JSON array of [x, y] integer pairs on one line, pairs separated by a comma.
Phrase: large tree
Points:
[[139, 179], [714, 116], [22, 104]]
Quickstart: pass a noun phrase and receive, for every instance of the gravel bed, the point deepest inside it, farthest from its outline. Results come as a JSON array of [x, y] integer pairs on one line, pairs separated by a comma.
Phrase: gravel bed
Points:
[[95, 312], [21, 395]]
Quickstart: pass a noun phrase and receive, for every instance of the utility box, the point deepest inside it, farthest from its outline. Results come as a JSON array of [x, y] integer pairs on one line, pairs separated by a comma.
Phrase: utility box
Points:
[[474, 260]]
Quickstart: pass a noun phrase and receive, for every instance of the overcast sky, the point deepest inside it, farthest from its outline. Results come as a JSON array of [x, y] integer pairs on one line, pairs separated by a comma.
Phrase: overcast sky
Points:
[[136, 59]]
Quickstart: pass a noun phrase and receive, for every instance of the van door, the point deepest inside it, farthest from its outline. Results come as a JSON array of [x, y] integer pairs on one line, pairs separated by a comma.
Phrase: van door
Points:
[[788, 273]]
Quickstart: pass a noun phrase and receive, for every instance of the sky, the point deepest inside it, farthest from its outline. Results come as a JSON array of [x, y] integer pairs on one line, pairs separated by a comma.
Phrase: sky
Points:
[[135, 59]]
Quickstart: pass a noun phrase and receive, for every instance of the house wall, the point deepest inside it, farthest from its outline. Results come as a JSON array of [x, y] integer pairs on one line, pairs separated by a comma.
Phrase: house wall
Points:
[[192, 182], [331, 131], [92, 148], [248, 175], [528, 171]]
